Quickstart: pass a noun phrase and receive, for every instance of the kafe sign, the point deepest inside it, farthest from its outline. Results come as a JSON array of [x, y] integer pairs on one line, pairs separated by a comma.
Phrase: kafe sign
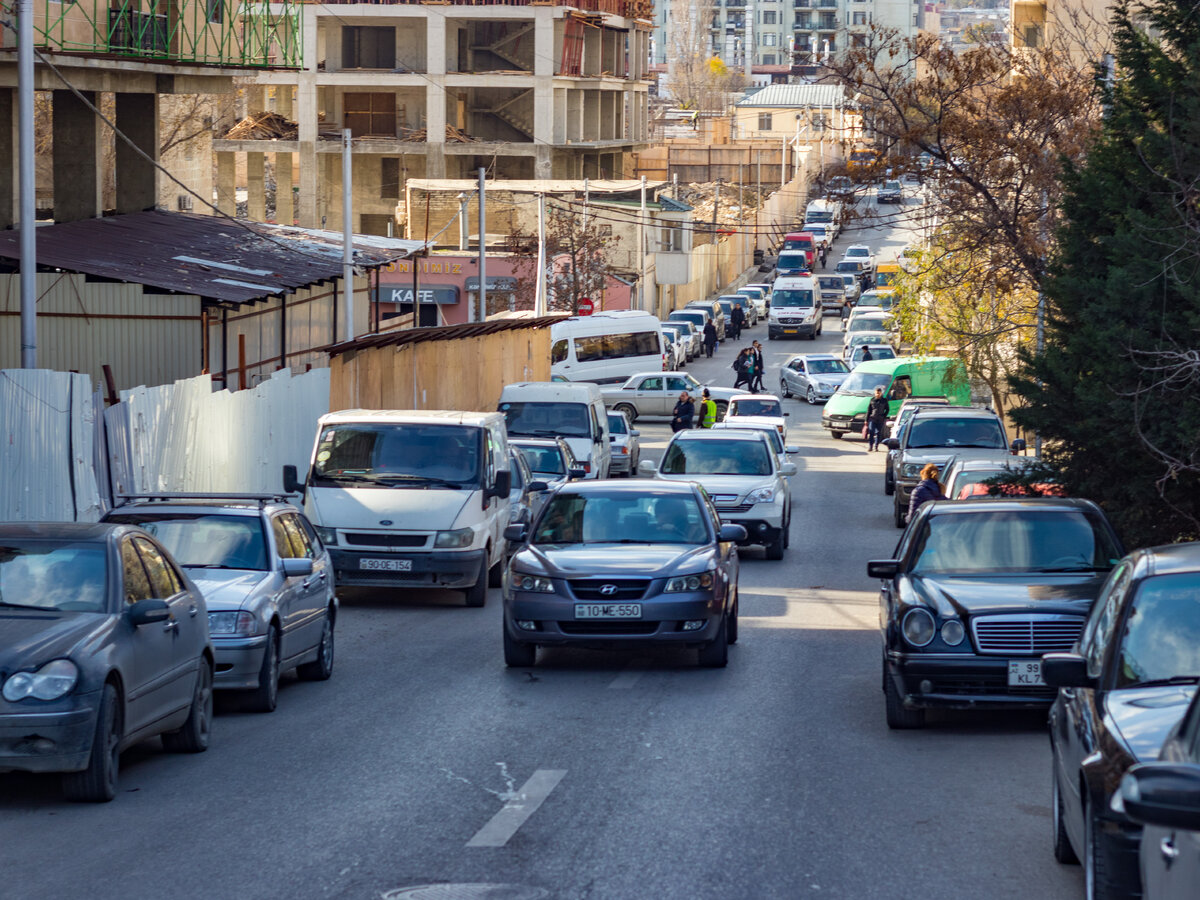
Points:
[[445, 294]]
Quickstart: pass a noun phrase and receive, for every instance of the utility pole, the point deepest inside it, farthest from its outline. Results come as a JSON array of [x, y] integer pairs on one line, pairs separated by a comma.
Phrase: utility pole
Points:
[[482, 246], [539, 292], [463, 240], [645, 305], [28, 251], [348, 234], [783, 165], [717, 204]]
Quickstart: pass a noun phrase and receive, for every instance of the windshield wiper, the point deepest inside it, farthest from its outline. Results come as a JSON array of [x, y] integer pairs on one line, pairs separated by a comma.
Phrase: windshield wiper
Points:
[[541, 433], [5, 603], [977, 446], [1082, 568], [352, 476], [419, 479], [1160, 682]]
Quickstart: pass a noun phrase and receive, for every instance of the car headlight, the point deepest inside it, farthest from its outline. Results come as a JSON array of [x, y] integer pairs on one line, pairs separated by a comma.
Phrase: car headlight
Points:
[[953, 632], [456, 539], [762, 495], [911, 470], [918, 627], [53, 680], [239, 623], [536, 583], [328, 536], [701, 582]]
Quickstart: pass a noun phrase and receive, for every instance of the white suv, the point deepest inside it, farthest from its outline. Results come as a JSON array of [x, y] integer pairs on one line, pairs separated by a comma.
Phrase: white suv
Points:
[[742, 474]]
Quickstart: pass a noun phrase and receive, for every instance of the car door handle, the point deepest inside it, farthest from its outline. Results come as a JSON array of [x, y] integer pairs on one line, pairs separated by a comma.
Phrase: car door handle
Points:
[[1168, 849], [171, 626], [193, 610], [308, 582]]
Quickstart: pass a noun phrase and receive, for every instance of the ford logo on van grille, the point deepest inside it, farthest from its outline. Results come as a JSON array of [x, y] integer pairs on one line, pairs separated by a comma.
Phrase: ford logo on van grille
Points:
[[385, 522]]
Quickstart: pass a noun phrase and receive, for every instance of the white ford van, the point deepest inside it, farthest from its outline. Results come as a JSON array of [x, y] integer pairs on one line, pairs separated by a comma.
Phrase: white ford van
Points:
[[410, 498], [573, 411]]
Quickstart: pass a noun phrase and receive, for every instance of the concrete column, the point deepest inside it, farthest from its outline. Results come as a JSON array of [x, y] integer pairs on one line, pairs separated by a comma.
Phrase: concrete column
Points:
[[435, 129], [435, 45], [543, 163], [227, 183], [256, 191], [284, 213], [137, 179], [256, 98], [543, 41], [77, 164], [8, 158]]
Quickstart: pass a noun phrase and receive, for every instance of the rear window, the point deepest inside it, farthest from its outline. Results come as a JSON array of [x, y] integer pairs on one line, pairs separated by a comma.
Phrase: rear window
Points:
[[792, 261], [949, 431]]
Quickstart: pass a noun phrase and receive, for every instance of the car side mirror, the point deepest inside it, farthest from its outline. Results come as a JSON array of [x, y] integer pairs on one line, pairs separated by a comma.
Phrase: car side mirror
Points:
[[1018, 446], [503, 483], [1066, 670], [883, 568], [516, 533], [576, 474], [291, 481], [537, 487], [1163, 794], [787, 415], [635, 433], [787, 468], [647, 467], [300, 567], [732, 533], [147, 612], [792, 448], [892, 443]]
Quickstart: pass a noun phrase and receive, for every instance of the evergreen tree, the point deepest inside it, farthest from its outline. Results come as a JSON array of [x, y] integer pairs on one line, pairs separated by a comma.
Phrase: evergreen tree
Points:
[[1116, 391]]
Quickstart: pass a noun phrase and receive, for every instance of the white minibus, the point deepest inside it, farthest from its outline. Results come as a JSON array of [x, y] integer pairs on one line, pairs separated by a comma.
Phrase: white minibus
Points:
[[606, 347]]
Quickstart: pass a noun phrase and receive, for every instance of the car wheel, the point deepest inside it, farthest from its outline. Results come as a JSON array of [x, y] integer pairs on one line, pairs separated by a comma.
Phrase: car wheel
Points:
[[783, 389], [476, 594], [1063, 851], [775, 548], [265, 697], [722, 408], [787, 530], [770, 337], [811, 397], [321, 668], [496, 574], [1097, 878], [731, 628], [837, 435], [628, 409], [899, 513], [98, 782], [716, 654], [193, 736], [518, 655], [889, 484], [898, 717]]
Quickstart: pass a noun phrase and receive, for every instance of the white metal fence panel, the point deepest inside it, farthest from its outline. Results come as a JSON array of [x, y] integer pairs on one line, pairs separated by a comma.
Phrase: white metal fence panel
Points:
[[48, 446], [186, 437]]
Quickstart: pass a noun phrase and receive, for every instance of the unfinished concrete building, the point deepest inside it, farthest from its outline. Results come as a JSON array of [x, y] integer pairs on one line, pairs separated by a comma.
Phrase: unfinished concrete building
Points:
[[524, 88]]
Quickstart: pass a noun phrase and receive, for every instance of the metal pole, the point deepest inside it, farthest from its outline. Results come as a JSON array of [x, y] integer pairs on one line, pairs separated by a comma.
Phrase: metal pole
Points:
[[783, 165], [462, 222], [539, 293], [347, 234], [28, 250], [644, 304], [482, 246]]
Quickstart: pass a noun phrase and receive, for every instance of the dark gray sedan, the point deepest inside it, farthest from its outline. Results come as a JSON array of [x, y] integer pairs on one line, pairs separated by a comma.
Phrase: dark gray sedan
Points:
[[103, 643], [623, 566]]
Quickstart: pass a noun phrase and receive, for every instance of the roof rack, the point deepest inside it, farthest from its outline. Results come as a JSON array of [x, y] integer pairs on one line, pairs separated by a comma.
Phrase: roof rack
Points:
[[261, 499]]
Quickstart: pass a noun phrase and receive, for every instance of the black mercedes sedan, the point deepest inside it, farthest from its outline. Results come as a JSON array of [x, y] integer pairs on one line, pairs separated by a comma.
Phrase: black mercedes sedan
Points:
[[977, 591], [606, 565], [1123, 688], [103, 643]]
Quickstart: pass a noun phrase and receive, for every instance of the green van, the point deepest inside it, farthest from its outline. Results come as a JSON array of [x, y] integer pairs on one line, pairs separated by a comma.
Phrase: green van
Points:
[[900, 378]]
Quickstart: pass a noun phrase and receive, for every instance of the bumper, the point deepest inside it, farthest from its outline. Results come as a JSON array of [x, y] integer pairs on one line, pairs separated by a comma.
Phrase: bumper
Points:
[[832, 303], [42, 741], [961, 681], [844, 423], [803, 330], [428, 568], [904, 489], [620, 464], [661, 623], [238, 661], [759, 530]]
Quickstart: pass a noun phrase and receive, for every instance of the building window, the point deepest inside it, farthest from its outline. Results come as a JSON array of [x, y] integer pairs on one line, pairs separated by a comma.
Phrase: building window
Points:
[[389, 178], [860, 18], [770, 40], [858, 40], [764, 121], [768, 17], [368, 47], [370, 113], [768, 59], [216, 11], [803, 22], [828, 22]]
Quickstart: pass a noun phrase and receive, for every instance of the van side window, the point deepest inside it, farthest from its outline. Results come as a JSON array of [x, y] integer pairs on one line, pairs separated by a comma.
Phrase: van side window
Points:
[[901, 388], [597, 428], [558, 353], [589, 349]]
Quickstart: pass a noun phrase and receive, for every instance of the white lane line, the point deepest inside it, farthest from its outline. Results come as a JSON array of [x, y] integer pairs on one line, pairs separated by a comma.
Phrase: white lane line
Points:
[[628, 678], [504, 824]]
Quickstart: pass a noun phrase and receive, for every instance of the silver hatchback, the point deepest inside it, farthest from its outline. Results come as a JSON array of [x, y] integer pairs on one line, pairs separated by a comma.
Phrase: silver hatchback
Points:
[[266, 579], [813, 376]]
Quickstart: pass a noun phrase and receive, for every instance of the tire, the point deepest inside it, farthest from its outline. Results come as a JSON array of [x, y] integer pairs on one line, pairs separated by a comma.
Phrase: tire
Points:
[[811, 397], [775, 548], [629, 411], [899, 718], [265, 697], [889, 484], [770, 337], [731, 628], [321, 668], [787, 530], [193, 737], [98, 782], [784, 391], [476, 595], [716, 654], [518, 655], [496, 573], [1097, 877], [899, 515], [836, 435], [1063, 851], [722, 408]]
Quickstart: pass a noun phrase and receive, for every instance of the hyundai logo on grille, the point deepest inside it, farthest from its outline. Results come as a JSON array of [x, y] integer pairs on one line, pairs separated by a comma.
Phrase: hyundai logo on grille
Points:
[[608, 589]]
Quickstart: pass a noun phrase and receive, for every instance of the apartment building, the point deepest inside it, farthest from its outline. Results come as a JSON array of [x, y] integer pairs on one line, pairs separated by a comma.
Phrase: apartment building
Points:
[[524, 88], [1079, 27]]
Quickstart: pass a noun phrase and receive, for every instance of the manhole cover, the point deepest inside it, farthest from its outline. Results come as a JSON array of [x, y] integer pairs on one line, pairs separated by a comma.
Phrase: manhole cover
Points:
[[468, 892]]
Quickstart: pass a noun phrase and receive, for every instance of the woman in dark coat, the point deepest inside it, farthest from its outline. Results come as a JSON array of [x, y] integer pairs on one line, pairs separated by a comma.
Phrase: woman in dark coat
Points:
[[710, 338], [741, 365], [929, 489]]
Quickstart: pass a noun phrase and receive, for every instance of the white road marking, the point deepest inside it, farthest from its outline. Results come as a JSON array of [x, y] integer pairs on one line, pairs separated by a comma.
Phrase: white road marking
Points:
[[504, 824], [628, 678]]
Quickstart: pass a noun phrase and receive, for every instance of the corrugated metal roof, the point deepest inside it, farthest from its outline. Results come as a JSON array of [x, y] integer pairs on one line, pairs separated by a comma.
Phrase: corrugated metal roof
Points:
[[798, 95], [205, 255], [443, 333]]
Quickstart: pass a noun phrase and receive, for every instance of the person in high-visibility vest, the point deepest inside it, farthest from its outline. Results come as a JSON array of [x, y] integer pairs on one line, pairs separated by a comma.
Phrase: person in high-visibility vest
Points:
[[708, 410]]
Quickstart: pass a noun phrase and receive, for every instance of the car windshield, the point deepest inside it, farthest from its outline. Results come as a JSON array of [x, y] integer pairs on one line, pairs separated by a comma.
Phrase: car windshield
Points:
[[832, 282], [792, 297], [616, 424], [847, 279], [544, 460], [892, 185], [1013, 541], [848, 266], [205, 540], [866, 337], [755, 408], [697, 317], [792, 260], [944, 431], [717, 457], [858, 253], [878, 351], [827, 367], [397, 455], [566, 419], [621, 517], [726, 306], [864, 383], [42, 574], [820, 215], [1161, 639], [868, 323]]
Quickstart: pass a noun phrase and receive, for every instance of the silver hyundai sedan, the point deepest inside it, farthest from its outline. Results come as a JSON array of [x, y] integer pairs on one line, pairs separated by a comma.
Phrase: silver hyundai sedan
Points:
[[266, 579]]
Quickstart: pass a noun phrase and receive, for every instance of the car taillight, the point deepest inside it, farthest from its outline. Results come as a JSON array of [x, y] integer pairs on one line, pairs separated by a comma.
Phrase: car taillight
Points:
[[587, 467]]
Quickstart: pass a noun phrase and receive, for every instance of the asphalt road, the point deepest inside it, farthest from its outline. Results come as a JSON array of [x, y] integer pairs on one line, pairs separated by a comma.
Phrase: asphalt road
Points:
[[773, 778]]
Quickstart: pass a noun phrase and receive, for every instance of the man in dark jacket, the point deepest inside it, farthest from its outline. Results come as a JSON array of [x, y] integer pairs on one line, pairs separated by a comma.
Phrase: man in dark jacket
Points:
[[877, 413], [710, 338], [756, 383], [684, 413], [736, 319]]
